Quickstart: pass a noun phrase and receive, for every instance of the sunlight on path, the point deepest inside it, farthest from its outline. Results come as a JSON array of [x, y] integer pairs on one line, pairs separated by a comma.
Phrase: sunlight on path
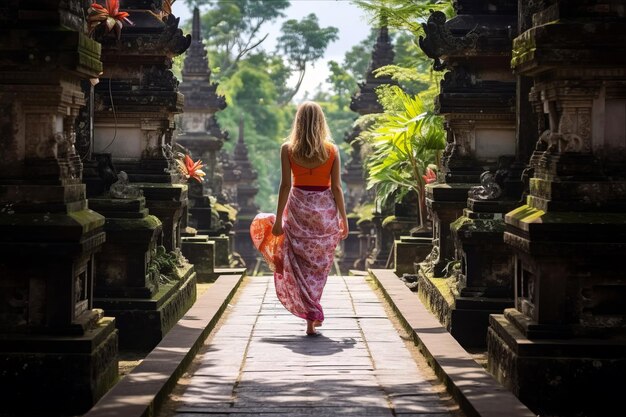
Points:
[[260, 362]]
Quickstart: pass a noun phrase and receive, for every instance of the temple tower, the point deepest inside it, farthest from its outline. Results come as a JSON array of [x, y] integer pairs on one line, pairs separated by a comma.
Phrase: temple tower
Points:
[[202, 136], [247, 190], [360, 242]]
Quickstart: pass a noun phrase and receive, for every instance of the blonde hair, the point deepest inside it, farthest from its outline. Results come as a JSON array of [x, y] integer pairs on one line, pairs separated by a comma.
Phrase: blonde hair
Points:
[[309, 133]]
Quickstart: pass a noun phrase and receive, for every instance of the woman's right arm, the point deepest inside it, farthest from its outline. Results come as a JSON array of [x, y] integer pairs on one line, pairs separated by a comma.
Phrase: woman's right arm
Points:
[[335, 185], [283, 190]]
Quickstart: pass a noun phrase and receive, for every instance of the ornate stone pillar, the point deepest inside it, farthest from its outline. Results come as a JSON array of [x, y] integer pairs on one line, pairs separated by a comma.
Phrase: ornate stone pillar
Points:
[[561, 349], [136, 102], [247, 190], [143, 280], [203, 137], [52, 340], [476, 101], [201, 133]]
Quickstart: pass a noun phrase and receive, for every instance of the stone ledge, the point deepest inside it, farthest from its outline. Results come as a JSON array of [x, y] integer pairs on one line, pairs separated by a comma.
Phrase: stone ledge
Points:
[[476, 391], [142, 392]]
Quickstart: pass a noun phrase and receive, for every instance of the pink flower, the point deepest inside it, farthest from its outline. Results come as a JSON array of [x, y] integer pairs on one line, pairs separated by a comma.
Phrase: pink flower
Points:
[[430, 176]]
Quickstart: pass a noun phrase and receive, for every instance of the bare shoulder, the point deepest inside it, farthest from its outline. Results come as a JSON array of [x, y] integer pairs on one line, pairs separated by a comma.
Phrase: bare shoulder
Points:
[[284, 148]]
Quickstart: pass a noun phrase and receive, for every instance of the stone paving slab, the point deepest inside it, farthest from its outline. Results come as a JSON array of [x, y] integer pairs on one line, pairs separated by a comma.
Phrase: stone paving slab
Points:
[[478, 393], [260, 362]]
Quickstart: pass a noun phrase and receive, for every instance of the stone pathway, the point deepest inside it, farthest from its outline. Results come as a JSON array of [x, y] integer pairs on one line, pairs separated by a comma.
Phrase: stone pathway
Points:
[[260, 363]]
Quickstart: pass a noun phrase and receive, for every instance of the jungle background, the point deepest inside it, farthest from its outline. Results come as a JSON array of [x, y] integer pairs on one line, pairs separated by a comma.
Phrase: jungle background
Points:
[[254, 80]]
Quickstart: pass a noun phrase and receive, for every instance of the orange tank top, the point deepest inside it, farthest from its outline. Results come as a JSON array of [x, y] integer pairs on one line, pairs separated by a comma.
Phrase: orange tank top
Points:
[[318, 176]]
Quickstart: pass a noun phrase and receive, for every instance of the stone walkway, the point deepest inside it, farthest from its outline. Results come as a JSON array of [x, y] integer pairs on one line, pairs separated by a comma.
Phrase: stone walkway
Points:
[[260, 362]]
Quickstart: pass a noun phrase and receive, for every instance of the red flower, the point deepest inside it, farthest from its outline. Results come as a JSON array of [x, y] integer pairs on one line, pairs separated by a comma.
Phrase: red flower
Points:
[[191, 169], [430, 176], [110, 16]]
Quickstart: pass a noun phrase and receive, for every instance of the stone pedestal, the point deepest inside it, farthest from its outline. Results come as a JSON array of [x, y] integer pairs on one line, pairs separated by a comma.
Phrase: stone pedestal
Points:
[[123, 265], [445, 203], [168, 202], [136, 102], [129, 285], [379, 256], [222, 245], [350, 246], [145, 322], [200, 251], [58, 353], [408, 251], [367, 241], [484, 283]]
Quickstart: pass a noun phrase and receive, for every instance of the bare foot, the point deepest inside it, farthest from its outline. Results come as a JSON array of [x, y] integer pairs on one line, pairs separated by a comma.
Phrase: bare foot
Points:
[[310, 327]]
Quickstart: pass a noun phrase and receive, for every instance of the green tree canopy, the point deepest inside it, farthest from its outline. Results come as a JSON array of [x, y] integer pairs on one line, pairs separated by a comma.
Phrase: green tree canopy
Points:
[[232, 28], [304, 42]]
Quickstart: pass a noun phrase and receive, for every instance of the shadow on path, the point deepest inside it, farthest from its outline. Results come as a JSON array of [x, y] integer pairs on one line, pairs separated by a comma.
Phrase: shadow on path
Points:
[[312, 346]]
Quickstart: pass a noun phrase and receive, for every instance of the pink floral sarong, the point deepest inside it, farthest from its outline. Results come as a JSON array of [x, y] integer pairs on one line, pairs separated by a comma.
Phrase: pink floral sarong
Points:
[[301, 258]]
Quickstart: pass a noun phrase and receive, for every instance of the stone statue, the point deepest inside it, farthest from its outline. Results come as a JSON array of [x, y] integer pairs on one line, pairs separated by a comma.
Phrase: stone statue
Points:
[[123, 189], [489, 188]]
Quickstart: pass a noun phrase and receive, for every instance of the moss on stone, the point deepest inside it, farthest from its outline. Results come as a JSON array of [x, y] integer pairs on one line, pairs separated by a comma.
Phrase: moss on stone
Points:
[[88, 219], [460, 222], [388, 220], [148, 222], [364, 213]]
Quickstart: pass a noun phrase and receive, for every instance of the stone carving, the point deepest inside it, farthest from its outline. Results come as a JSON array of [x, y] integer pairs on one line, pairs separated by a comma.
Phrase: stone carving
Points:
[[428, 264], [440, 41], [490, 186], [560, 142], [172, 39], [457, 78], [122, 189], [106, 171], [159, 79]]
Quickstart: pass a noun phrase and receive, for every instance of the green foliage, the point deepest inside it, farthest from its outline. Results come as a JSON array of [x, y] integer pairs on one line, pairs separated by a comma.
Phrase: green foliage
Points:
[[232, 29], [363, 212], [255, 82], [403, 14], [343, 84], [357, 59], [404, 141], [304, 42]]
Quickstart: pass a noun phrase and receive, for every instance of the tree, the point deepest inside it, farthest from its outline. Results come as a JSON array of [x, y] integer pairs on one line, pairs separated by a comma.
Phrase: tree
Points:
[[304, 42], [232, 29], [342, 83], [406, 139]]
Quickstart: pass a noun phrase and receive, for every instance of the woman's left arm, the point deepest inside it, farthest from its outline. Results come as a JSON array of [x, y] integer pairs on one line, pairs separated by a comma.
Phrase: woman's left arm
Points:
[[335, 185], [283, 190]]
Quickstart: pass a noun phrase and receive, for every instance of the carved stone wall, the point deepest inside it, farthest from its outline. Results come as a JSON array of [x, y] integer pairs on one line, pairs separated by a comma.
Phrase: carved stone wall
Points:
[[568, 239]]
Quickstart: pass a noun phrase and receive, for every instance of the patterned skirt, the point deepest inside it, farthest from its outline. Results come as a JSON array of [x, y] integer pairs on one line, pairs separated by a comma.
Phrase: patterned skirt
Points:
[[301, 258]]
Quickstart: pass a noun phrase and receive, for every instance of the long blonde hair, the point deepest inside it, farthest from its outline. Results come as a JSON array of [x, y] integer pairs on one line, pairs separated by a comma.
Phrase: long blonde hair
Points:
[[309, 133]]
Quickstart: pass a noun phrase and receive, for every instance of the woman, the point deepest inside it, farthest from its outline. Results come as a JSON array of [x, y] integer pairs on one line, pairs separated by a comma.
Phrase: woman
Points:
[[300, 240]]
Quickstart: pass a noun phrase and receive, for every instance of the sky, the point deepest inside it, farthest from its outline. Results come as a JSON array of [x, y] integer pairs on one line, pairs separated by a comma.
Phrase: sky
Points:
[[342, 14]]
